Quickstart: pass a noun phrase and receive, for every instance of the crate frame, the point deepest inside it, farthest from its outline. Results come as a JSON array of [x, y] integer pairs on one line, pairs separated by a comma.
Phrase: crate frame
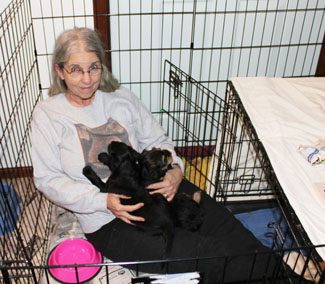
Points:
[[189, 144], [21, 89]]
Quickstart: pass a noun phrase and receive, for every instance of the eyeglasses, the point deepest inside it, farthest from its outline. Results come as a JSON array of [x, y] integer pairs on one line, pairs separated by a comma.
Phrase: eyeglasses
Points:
[[78, 72]]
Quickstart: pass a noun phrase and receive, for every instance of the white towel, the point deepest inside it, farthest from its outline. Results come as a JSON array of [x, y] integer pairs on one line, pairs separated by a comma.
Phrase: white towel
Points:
[[177, 278]]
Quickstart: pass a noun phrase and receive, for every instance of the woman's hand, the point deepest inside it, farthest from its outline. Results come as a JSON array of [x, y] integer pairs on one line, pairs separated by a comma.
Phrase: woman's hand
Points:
[[123, 211], [169, 185]]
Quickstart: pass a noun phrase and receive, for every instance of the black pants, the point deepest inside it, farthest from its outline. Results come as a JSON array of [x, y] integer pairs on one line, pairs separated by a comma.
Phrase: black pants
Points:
[[220, 235]]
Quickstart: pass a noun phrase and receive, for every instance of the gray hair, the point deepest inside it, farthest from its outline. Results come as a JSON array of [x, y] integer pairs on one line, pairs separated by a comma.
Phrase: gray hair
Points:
[[65, 45]]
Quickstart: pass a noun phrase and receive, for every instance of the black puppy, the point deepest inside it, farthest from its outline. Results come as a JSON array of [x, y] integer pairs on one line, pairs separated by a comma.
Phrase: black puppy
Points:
[[131, 172], [185, 209]]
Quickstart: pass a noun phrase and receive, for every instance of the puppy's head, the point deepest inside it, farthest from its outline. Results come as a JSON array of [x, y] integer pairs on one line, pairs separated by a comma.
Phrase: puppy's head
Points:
[[155, 163], [120, 154]]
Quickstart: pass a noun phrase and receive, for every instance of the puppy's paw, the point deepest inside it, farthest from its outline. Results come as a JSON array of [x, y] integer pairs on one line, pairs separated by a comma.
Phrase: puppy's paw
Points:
[[103, 157], [197, 195], [87, 170]]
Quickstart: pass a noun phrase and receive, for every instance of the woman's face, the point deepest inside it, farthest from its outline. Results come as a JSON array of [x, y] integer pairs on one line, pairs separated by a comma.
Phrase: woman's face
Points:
[[82, 75]]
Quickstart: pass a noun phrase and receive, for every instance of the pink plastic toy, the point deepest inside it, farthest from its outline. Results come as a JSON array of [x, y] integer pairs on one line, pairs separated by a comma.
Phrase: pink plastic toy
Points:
[[71, 252]]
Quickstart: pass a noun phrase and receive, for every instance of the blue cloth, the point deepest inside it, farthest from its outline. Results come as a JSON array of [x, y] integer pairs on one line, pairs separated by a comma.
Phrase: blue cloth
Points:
[[10, 208], [268, 226]]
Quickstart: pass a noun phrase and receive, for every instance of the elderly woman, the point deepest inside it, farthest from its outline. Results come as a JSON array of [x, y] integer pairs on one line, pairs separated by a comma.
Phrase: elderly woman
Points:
[[85, 111]]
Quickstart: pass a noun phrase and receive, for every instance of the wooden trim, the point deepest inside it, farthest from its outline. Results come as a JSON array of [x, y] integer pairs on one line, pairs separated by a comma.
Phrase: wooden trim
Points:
[[320, 70], [17, 172], [191, 152], [102, 25], [322, 265]]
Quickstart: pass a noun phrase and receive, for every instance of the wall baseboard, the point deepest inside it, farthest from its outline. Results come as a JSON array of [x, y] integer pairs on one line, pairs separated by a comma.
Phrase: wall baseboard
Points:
[[17, 172]]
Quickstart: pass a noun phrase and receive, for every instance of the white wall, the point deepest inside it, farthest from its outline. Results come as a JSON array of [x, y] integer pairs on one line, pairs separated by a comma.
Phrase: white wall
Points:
[[4, 4], [230, 38]]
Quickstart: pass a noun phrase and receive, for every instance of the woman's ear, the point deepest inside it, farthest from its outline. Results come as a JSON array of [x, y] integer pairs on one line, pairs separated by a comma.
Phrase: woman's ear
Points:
[[59, 71]]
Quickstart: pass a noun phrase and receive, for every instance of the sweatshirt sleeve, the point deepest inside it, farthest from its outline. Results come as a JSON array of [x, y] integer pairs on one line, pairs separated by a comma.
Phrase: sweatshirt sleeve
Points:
[[75, 195]]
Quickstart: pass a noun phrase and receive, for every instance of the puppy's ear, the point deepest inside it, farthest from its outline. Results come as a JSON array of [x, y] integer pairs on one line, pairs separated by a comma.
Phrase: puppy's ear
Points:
[[144, 152], [114, 156], [167, 153], [104, 158], [109, 160]]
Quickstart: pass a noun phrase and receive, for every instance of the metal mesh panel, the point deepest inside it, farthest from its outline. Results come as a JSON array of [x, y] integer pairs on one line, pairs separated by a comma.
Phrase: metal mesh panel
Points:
[[24, 212], [177, 57]]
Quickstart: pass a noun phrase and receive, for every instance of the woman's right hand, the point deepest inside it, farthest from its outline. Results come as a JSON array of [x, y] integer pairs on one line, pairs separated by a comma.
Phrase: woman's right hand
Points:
[[123, 211]]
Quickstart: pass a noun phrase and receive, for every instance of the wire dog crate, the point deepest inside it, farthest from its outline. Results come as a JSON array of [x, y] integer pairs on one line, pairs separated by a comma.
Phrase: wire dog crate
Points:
[[184, 98], [211, 133]]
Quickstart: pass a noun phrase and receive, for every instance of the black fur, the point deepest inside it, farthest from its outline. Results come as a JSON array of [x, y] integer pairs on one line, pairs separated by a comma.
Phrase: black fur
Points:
[[131, 172]]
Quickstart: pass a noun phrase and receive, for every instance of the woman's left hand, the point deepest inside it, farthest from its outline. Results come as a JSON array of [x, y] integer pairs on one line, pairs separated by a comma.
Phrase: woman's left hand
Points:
[[169, 185]]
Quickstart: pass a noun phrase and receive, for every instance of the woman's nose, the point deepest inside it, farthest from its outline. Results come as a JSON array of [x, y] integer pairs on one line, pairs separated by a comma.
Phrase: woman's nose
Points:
[[86, 77]]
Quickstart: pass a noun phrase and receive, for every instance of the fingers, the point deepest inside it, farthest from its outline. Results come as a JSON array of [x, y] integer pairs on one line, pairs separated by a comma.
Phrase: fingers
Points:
[[123, 196], [170, 197], [164, 191], [166, 188], [158, 185], [131, 208], [123, 211], [169, 194], [129, 218], [125, 220]]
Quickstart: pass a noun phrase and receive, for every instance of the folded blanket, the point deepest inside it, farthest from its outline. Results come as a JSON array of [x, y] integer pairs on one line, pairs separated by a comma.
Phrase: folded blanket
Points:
[[268, 227]]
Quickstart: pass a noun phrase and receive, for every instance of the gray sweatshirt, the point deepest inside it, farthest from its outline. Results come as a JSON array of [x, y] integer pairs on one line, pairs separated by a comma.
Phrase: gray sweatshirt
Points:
[[65, 138]]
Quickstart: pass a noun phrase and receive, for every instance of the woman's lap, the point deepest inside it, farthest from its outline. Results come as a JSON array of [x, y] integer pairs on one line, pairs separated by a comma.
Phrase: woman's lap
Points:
[[219, 225], [221, 234]]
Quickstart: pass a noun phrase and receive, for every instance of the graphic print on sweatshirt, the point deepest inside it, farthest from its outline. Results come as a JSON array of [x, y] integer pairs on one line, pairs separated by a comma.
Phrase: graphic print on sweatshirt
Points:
[[95, 140]]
